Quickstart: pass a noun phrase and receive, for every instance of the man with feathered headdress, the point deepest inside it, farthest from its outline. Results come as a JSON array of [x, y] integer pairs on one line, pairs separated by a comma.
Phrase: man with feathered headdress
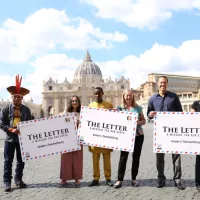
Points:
[[9, 117]]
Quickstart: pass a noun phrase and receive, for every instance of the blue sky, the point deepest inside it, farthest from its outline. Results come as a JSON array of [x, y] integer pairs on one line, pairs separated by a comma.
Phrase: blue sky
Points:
[[41, 38]]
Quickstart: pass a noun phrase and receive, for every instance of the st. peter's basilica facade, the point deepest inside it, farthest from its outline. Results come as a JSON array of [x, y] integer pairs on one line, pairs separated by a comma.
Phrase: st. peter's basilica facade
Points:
[[87, 76]]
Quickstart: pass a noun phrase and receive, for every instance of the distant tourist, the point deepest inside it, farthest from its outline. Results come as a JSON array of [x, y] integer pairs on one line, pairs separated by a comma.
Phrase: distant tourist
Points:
[[72, 162], [9, 117], [196, 108], [97, 151], [129, 104], [166, 101]]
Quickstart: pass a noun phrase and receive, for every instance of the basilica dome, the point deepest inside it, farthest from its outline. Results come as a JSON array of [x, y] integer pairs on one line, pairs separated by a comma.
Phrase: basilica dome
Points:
[[88, 70]]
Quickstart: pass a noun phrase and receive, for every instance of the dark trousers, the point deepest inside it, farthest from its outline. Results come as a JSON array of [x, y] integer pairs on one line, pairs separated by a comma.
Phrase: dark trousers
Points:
[[160, 162], [135, 159], [9, 150], [197, 169]]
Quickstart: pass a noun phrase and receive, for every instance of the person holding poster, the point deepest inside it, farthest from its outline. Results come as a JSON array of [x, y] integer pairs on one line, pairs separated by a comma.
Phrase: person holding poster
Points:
[[128, 103], [196, 108], [166, 101], [9, 117], [96, 151], [72, 162]]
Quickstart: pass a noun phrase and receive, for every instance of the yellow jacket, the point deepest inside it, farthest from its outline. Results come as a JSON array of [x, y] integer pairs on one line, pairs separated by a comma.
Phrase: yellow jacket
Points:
[[105, 105]]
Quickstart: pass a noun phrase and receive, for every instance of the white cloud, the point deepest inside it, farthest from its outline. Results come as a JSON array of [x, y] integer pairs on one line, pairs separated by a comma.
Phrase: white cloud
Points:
[[56, 66], [45, 29], [5, 82], [141, 13], [9, 51], [183, 60]]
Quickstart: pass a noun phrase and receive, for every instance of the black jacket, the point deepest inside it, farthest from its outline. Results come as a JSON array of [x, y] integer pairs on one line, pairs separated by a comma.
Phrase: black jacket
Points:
[[6, 120]]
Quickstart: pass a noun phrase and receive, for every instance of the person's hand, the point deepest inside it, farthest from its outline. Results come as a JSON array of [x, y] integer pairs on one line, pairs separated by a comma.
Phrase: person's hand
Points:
[[152, 114], [14, 130]]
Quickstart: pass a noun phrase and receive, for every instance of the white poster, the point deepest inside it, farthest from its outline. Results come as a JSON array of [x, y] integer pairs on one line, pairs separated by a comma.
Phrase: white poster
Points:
[[107, 128], [177, 133], [48, 136]]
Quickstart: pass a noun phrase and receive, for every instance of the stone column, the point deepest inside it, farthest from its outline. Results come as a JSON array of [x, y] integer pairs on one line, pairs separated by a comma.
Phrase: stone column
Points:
[[188, 108], [45, 107], [117, 100], [84, 99], [66, 104], [87, 101], [56, 105]]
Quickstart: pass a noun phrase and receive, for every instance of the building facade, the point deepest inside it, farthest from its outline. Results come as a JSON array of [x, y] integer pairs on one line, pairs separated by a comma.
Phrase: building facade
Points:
[[186, 87], [87, 76]]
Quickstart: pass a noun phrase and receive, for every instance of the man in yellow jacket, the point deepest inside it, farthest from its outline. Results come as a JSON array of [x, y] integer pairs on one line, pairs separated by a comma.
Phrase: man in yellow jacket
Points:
[[96, 151]]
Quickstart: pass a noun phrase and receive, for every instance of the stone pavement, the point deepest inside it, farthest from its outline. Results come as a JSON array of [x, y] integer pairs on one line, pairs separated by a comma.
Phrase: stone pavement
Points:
[[2, 134], [42, 177]]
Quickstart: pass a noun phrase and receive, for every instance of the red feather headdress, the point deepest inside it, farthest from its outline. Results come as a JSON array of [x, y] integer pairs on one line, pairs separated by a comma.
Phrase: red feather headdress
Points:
[[17, 89], [18, 84]]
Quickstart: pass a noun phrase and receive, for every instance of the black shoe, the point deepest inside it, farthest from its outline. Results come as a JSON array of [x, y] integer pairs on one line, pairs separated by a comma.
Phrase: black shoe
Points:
[[198, 186], [135, 184], [20, 184], [93, 183], [77, 184], [116, 186], [180, 185], [109, 183], [160, 183], [7, 187]]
